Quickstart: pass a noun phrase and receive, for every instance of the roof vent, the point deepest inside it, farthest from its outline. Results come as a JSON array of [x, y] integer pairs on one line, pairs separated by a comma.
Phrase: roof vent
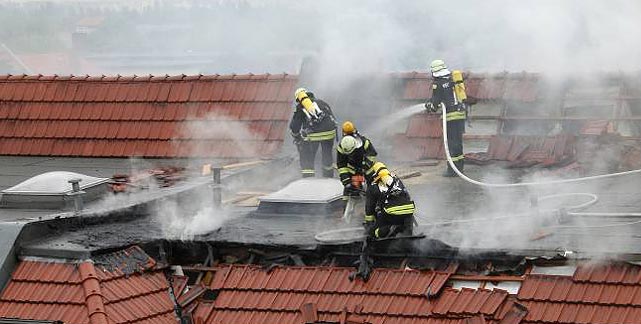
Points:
[[304, 196], [52, 190]]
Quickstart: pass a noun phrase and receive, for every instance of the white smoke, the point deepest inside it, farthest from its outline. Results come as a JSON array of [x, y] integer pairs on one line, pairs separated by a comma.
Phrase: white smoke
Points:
[[563, 37]]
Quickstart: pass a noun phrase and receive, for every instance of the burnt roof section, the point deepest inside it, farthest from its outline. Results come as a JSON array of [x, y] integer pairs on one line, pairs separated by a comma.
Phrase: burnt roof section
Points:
[[128, 261]]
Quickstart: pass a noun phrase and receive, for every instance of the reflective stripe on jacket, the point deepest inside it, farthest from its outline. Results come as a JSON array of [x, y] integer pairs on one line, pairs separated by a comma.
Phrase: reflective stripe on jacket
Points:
[[321, 136], [406, 209]]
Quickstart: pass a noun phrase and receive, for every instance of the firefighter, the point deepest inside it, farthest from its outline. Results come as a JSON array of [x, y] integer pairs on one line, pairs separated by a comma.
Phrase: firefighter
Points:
[[354, 158], [313, 125], [448, 92], [389, 209]]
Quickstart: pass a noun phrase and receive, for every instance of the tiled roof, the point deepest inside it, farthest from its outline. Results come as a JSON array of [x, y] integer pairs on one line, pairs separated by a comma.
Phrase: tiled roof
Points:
[[606, 293], [82, 293], [220, 116], [609, 293], [133, 290], [249, 294], [521, 87], [531, 150], [422, 137], [595, 127]]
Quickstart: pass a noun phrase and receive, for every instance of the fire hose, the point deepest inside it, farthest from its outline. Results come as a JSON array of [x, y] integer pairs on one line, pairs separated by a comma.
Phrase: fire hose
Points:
[[356, 233], [550, 182]]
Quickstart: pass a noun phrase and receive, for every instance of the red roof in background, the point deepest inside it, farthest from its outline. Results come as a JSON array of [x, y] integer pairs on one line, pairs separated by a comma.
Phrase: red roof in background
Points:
[[419, 141], [82, 293], [233, 116], [531, 150], [219, 116], [521, 87], [422, 139]]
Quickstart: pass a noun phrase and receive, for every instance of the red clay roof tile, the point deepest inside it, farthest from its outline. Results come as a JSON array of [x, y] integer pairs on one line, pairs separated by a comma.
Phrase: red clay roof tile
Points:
[[179, 92], [602, 293], [521, 88], [55, 291], [622, 273], [469, 301], [108, 104], [233, 97], [136, 297], [277, 131], [72, 314], [29, 93], [249, 294], [417, 89]]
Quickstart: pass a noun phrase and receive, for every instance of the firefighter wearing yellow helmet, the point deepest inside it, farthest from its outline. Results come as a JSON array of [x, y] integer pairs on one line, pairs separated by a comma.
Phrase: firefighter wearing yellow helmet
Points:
[[348, 128], [313, 125], [448, 92], [355, 156], [389, 209]]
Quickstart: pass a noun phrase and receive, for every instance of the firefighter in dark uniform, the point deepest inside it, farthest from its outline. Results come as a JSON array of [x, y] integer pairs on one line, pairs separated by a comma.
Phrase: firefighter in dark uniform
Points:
[[389, 209], [313, 125], [448, 92], [355, 157]]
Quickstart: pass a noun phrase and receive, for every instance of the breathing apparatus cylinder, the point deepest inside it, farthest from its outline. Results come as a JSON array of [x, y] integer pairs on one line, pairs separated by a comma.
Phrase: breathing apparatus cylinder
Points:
[[311, 108], [459, 86], [304, 100]]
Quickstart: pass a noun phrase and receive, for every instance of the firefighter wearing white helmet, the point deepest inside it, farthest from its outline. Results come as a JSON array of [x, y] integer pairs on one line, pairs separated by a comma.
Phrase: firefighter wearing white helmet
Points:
[[389, 209], [448, 92], [313, 124], [355, 156]]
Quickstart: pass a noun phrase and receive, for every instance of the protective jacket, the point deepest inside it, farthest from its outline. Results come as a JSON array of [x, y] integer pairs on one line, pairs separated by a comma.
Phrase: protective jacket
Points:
[[358, 162], [388, 207], [443, 92], [314, 128]]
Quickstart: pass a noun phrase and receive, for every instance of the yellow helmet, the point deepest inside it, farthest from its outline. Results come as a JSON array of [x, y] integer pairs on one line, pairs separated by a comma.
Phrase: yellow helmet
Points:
[[380, 170], [382, 175], [348, 128]]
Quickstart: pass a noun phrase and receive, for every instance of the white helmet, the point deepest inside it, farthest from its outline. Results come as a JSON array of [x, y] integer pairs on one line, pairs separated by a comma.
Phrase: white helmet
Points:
[[437, 65], [349, 144]]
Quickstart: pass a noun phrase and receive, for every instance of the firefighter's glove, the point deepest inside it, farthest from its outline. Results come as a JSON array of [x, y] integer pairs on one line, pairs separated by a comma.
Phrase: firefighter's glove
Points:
[[298, 139], [350, 191], [430, 107]]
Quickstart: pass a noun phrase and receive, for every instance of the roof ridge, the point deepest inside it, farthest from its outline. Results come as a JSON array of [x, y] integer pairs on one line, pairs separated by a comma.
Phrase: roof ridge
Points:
[[145, 78], [298, 267], [93, 293], [327, 292]]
